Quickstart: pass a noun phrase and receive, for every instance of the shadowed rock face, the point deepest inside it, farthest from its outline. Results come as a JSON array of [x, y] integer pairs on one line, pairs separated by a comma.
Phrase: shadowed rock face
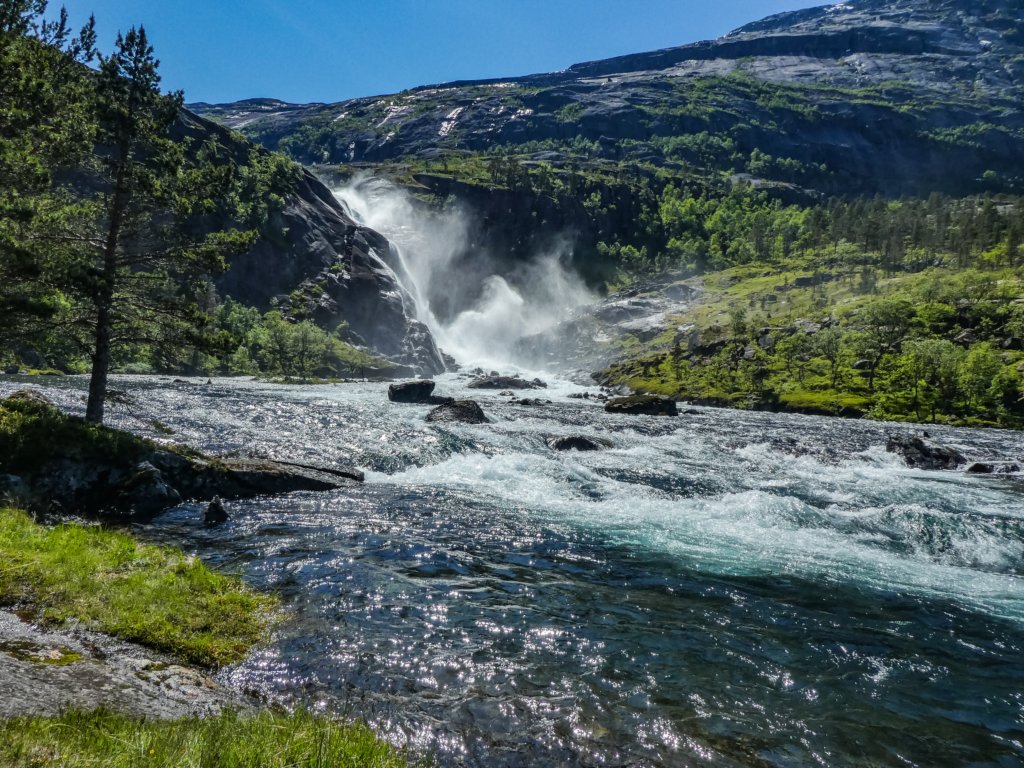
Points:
[[931, 67], [322, 265]]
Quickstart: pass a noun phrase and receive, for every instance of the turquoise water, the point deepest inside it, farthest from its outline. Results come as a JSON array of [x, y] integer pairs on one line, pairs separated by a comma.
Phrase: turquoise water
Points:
[[719, 589]]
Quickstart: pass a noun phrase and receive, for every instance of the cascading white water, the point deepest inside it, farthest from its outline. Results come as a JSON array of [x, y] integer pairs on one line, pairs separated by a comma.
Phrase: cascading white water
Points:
[[476, 314]]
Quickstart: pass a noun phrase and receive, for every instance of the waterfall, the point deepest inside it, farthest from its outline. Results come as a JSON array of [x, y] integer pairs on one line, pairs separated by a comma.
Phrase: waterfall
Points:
[[478, 309]]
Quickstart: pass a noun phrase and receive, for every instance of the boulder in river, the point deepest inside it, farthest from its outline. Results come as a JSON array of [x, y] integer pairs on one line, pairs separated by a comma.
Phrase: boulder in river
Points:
[[215, 512], [506, 382], [649, 405], [578, 443], [464, 411], [994, 468], [921, 453], [411, 391]]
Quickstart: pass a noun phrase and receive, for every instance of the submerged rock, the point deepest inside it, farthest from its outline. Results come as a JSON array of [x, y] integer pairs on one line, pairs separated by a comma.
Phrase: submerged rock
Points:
[[921, 453], [506, 382], [464, 411], [578, 443], [649, 405]]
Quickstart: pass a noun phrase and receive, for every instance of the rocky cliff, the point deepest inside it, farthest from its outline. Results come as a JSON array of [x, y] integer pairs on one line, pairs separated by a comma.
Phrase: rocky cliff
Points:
[[313, 260], [876, 96]]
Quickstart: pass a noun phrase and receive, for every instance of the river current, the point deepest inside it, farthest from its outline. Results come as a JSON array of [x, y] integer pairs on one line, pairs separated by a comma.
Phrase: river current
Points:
[[722, 588]]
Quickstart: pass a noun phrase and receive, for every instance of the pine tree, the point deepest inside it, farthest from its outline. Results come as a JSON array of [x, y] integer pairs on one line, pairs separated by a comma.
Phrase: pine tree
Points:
[[138, 271], [45, 126]]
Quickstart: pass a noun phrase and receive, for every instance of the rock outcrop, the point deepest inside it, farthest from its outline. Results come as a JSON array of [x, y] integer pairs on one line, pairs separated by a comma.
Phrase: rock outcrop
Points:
[[313, 261], [59, 463]]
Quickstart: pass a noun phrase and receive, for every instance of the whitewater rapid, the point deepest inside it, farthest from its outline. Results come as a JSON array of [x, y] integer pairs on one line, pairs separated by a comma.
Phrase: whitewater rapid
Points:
[[723, 588]]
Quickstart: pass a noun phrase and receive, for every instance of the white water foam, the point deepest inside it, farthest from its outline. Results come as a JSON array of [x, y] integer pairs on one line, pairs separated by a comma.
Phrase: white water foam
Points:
[[476, 306]]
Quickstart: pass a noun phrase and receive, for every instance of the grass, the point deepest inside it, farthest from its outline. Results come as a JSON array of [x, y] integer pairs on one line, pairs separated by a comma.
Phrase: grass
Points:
[[267, 740], [156, 596], [33, 433]]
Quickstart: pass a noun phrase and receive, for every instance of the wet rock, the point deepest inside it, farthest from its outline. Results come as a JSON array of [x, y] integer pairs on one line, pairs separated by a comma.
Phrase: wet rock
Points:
[[580, 396], [462, 411], [649, 405], [578, 443], [215, 512], [244, 478], [505, 382], [922, 453], [994, 468], [411, 391], [12, 370], [145, 493]]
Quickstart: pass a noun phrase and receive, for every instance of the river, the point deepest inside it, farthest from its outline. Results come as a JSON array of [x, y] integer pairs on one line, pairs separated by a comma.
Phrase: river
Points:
[[722, 588]]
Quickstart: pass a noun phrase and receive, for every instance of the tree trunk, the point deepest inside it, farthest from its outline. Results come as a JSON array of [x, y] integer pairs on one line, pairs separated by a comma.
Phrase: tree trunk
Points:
[[100, 367], [105, 299]]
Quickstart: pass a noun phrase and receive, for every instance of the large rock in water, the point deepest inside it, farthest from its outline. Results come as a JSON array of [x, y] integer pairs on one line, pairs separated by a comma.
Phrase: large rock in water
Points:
[[411, 391], [578, 443], [921, 453], [995, 468], [649, 405], [464, 411], [506, 382]]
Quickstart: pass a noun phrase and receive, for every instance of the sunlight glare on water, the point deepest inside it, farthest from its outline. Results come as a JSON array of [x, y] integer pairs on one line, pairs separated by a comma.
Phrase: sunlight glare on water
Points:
[[723, 588]]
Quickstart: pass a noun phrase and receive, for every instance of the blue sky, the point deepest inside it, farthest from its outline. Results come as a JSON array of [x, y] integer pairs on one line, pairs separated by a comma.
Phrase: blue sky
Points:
[[329, 50]]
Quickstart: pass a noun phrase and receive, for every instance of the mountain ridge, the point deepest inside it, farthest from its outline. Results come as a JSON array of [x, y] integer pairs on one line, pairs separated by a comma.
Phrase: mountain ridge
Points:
[[872, 97]]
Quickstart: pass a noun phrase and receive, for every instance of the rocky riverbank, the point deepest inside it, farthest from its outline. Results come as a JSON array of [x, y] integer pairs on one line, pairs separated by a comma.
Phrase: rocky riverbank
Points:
[[53, 462], [46, 671]]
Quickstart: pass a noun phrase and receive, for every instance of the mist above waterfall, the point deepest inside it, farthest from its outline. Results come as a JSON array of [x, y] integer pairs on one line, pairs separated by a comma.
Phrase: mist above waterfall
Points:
[[478, 306]]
